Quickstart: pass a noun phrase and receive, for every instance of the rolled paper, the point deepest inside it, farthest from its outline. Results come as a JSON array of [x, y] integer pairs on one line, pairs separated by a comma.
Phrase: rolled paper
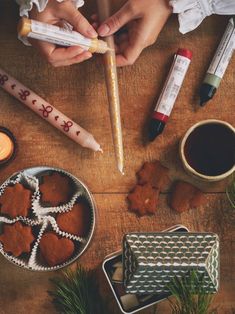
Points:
[[48, 112], [112, 88]]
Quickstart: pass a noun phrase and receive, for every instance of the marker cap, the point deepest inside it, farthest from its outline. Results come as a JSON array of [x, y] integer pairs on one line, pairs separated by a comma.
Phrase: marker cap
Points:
[[185, 53], [24, 27]]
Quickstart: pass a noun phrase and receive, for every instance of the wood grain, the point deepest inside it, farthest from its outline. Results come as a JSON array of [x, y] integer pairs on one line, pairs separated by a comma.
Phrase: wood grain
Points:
[[79, 92]]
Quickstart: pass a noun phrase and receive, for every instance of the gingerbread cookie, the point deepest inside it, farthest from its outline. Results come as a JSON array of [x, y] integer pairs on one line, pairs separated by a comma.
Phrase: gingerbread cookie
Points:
[[16, 238], [15, 201], [143, 199], [155, 174], [77, 221], [186, 196], [55, 250], [56, 189]]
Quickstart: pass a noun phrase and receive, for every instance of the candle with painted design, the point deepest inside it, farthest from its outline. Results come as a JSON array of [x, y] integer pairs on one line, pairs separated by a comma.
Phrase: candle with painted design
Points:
[[112, 88], [48, 112]]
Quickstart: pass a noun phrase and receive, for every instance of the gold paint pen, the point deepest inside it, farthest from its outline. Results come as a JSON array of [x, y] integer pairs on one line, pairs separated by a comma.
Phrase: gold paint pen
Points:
[[60, 36]]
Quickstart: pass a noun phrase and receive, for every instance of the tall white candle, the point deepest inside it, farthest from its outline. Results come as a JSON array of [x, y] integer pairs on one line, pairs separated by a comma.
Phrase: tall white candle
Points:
[[47, 112]]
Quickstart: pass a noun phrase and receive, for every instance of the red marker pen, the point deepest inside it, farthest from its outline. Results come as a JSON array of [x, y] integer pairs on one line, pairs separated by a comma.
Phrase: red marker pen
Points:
[[170, 92]]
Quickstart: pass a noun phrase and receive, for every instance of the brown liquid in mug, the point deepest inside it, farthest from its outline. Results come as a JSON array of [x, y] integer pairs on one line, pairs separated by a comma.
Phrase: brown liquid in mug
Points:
[[210, 149]]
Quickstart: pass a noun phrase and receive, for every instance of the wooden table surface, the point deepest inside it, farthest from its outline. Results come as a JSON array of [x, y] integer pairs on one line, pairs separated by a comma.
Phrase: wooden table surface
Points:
[[79, 91]]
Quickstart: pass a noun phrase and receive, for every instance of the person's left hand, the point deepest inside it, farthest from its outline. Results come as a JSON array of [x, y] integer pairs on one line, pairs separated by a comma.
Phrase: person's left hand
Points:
[[56, 13]]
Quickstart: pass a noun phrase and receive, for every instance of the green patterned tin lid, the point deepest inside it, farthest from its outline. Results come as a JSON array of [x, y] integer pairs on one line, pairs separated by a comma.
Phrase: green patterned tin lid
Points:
[[151, 260]]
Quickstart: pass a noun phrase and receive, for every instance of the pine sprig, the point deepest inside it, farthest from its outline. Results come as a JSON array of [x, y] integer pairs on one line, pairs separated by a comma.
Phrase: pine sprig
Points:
[[230, 191], [190, 296], [77, 292]]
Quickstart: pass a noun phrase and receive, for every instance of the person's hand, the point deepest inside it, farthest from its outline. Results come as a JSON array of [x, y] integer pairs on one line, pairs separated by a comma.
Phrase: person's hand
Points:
[[143, 21], [56, 13]]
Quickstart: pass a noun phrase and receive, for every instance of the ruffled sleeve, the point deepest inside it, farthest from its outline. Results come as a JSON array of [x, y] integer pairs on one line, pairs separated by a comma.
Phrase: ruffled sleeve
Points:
[[26, 5], [192, 12]]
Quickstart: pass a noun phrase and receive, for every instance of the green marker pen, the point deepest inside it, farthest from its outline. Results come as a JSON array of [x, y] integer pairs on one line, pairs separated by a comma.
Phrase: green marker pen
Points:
[[219, 63]]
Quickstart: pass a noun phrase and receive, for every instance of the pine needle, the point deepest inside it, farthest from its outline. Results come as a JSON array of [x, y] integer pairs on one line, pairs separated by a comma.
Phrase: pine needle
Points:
[[189, 295], [77, 292]]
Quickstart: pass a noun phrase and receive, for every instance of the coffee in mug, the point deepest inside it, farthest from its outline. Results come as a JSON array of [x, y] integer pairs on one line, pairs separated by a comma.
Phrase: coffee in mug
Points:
[[208, 150]]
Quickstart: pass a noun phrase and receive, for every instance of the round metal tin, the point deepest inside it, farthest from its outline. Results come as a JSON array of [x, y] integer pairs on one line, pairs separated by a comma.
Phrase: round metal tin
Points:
[[35, 171]]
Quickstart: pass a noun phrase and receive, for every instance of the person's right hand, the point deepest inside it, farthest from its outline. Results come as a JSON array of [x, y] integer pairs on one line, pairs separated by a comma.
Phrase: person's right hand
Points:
[[142, 22], [56, 13]]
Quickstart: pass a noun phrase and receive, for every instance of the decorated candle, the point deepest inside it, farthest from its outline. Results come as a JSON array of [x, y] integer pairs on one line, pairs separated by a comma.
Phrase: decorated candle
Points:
[[112, 88], [48, 112]]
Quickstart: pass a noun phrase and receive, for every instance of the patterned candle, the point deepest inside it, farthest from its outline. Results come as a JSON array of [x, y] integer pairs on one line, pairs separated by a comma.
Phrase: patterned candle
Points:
[[47, 112], [112, 88]]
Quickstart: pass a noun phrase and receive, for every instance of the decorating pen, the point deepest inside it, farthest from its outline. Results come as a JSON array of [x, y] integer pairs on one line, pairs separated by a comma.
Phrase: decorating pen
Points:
[[60, 36], [170, 92], [219, 64]]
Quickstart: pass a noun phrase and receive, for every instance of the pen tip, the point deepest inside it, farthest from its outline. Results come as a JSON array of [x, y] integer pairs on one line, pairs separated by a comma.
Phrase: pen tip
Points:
[[202, 103]]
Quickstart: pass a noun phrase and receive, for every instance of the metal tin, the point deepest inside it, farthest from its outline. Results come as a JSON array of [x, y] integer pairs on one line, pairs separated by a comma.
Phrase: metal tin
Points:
[[117, 256], [34, 171], [152, 260]]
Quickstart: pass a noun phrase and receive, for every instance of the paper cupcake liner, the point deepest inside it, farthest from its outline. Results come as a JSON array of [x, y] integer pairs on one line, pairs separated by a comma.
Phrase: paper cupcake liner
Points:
[[34, 264], [71, 236], [19, 261], [32, 184], [26, 220], [41, 210], [45, 217], [63, 233], [16, 260], [49, 225]]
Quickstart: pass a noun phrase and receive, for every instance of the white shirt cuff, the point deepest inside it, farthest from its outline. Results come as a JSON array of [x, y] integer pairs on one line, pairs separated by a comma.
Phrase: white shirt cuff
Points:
[[26, 5], [192, 12]]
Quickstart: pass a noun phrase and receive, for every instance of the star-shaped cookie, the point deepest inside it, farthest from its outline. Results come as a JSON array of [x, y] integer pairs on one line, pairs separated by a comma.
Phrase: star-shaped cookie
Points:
[[16, 238], [186, 196], [15, 201], [56, 189], [143, 199]]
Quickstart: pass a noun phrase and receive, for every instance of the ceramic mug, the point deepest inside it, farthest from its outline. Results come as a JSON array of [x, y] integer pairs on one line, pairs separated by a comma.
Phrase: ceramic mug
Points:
[[207, 150]]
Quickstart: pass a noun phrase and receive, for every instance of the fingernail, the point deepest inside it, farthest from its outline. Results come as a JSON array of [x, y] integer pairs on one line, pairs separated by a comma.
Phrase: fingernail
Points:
[[88, 55], [104, 29], [91, 32]]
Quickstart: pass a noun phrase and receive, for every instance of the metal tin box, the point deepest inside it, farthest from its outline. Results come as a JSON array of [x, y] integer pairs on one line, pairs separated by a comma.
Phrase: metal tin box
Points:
[[37, 171], [152, 260], [146, 300]]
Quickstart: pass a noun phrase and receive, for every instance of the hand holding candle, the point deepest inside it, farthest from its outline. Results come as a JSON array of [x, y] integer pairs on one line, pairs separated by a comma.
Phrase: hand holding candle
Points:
[[47, 112]]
